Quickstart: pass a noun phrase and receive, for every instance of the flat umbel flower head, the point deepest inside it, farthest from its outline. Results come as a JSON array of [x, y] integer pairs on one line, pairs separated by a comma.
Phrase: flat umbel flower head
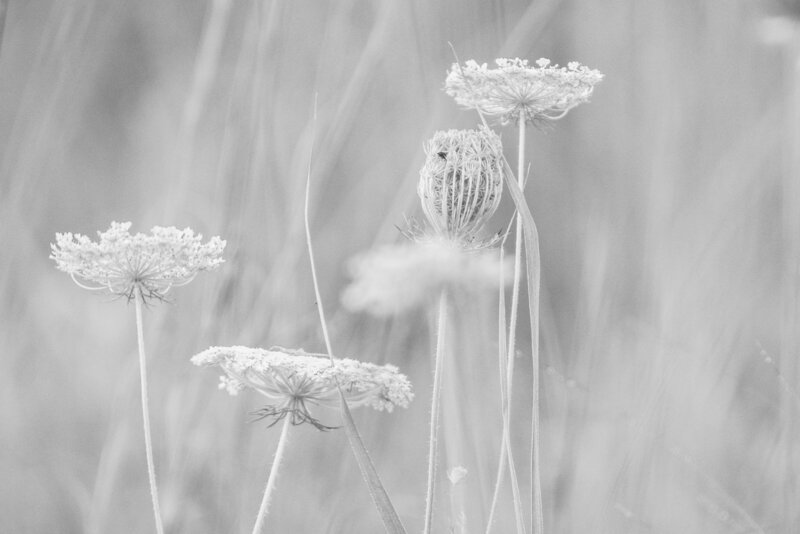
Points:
[[514, 88], [294, 380], [461, 182], [123, 264]]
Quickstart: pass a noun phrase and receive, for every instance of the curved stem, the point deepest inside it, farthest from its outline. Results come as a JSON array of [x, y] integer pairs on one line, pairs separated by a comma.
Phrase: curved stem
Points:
[[273, 476], [148, 444], [437, 392]]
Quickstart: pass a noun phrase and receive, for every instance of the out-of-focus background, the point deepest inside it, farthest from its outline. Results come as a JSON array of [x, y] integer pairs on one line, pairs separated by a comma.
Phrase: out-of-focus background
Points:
[[669, 215]]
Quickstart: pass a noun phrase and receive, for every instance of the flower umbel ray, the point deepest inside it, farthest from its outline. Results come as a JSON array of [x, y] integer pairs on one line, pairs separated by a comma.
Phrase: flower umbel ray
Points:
[[294, 381], [514, 88], [124, 264]]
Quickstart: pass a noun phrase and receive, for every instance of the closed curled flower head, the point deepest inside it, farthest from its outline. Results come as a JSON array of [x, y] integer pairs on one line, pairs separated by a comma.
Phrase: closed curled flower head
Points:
[[294, 380], [124, 264], [461, 182], [516, 89], [396, 278]]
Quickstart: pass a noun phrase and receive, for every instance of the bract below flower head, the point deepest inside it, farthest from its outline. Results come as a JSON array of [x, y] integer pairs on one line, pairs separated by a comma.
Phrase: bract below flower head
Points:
[[396, 278], [293, 380], [123, 264], [461, 182], [515, 88]]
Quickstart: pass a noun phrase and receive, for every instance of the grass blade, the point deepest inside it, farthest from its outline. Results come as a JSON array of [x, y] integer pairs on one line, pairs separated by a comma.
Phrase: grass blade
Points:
[[533, 274], [391, 521]]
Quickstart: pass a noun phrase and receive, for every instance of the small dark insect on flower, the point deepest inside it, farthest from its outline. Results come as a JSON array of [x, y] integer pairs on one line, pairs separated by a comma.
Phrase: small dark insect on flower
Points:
[[442, 155]]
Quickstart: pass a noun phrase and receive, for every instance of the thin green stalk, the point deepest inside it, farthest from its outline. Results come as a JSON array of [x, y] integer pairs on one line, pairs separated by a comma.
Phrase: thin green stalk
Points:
[[148, 444], [435, 410], [273, 476]]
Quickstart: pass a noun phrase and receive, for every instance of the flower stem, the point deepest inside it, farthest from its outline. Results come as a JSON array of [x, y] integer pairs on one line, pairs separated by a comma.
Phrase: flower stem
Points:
[[512, 328], [506, 371], [437, 393], [537, 526], [148, 444], [273, 476]]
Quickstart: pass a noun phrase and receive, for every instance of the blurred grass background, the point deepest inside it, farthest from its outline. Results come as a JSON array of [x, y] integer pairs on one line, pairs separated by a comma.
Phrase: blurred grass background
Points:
[[668, 212]]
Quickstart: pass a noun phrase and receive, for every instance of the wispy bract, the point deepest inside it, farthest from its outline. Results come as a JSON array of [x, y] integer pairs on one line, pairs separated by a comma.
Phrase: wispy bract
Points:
[[121, 263], [293, 380], [515, 88]]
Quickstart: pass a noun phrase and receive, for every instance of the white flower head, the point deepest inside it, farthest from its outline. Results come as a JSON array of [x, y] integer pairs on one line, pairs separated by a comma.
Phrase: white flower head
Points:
[[396, 278], [124, 264], [515, 88], [461, 182], [294, 380]]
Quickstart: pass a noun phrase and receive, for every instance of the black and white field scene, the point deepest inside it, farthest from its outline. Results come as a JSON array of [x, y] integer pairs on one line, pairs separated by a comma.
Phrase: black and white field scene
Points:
[[380, 266]]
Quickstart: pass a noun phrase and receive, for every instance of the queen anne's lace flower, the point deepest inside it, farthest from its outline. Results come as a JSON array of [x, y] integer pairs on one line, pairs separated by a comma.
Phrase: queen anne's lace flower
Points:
[[292, 380], [514, 88], [459, 187], [123, 264], [461, 182], [394, 279]]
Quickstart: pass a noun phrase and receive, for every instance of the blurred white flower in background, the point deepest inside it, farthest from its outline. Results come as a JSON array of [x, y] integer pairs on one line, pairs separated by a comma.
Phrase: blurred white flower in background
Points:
[[395, 278]]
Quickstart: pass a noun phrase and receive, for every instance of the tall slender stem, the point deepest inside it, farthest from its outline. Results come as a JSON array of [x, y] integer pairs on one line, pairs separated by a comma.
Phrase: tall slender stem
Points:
[[537, 526], [513, 326], [512, 323], [148, 444], [506, 372], [435, 410], [501, 360], [273, 476]]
